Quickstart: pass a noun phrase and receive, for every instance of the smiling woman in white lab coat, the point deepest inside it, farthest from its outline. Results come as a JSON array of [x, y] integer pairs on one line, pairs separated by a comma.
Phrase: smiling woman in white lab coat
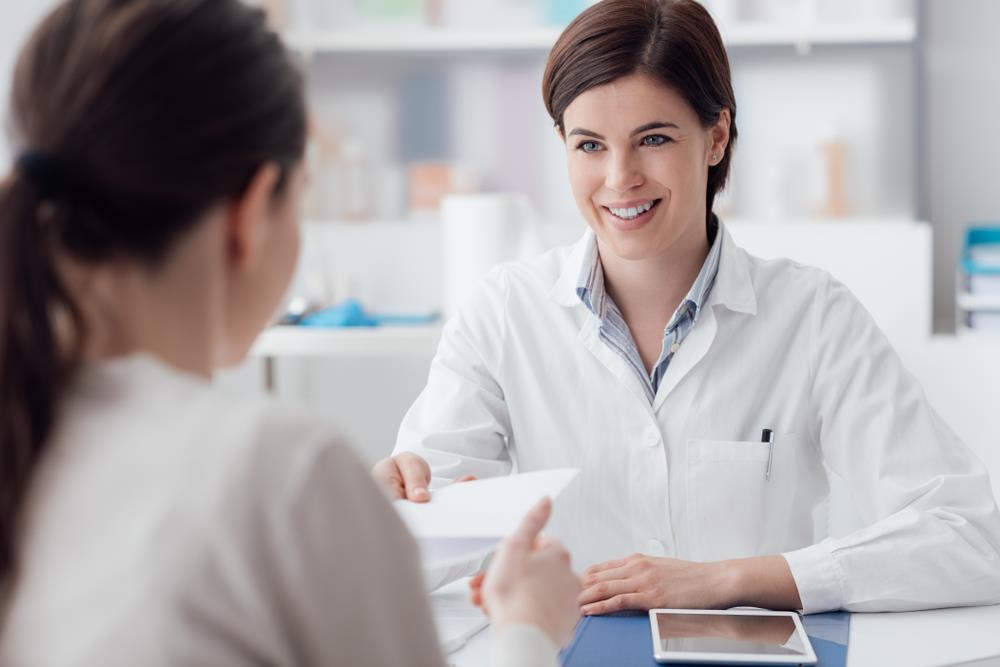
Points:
[[709, 396]]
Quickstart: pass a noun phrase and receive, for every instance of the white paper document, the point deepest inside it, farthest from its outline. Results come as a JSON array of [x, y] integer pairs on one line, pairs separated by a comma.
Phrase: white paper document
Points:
[[455, 617], [468, 519]]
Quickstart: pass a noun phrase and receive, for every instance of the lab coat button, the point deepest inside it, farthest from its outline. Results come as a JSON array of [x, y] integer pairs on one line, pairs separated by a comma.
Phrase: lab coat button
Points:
[[653, 439], [655, 548]]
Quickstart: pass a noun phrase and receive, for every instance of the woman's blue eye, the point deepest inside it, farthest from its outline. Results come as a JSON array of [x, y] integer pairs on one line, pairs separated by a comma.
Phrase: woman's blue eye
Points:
[[655, 140], [589, 146]]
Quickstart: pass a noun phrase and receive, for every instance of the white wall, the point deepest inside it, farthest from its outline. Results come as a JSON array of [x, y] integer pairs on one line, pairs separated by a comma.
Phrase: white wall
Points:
[[17, 19], [962, 95]]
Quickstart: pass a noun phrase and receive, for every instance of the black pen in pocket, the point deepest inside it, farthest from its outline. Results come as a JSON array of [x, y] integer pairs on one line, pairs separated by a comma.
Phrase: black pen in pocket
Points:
[[767, 435]]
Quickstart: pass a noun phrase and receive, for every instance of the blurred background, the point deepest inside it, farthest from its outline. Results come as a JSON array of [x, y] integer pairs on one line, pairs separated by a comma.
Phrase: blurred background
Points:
[[866, 147]]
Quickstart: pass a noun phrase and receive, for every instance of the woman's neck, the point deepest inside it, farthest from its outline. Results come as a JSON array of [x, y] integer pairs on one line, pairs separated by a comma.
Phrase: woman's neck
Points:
[[649, 290], [171, 312]]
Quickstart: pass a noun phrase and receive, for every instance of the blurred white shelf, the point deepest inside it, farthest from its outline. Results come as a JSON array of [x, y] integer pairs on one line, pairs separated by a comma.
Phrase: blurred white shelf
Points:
[[984, 339], [444, 40], [387, 225], [888, 31], [967, 301], [292, 341], [422, 40], [852, 222]]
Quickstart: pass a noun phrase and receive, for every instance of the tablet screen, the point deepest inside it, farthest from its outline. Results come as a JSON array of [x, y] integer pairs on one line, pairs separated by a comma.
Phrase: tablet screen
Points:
[[722, 633]]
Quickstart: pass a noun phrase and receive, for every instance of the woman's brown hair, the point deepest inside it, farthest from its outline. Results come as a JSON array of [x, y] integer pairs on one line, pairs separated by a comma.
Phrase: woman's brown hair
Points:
[[133, 118], [673, 41]]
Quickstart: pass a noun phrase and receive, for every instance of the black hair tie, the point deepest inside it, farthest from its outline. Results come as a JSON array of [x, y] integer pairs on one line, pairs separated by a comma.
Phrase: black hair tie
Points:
[[45, 172]]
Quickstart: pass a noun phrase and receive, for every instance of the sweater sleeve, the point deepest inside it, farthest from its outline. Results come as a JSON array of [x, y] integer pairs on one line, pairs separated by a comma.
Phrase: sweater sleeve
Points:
[[524, 646], [345, 570]]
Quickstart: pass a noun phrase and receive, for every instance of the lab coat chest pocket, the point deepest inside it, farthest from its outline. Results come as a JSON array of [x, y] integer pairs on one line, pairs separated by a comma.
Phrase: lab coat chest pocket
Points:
[[734, 511]]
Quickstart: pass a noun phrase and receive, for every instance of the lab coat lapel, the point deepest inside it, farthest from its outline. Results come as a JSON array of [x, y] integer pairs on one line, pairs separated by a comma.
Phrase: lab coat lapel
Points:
[[733, 290], [564, 293], [692, 350], [613, 361]]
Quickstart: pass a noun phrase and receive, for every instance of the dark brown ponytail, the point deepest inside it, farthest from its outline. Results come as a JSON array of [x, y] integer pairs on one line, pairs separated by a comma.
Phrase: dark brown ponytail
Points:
[[32, 375], [133, 118]]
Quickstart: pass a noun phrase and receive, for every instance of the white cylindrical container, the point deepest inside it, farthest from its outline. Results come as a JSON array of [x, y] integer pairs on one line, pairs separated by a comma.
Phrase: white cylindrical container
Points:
[[478, 232]]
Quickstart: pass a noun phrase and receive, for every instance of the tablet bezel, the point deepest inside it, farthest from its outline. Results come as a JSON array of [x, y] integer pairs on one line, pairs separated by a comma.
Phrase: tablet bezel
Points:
[[667, 657]]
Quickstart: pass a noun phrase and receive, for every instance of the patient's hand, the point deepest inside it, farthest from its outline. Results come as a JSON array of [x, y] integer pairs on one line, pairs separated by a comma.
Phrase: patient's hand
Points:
[[530, 581]]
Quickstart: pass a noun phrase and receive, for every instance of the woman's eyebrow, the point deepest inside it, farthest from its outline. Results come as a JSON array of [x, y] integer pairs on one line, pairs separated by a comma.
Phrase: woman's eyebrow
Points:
[[586, 133], [656, 124]]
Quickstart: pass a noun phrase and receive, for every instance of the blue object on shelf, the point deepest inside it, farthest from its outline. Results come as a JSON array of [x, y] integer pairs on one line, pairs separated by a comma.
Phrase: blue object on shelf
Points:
[[978, 239], [561, 12], [351, 313]]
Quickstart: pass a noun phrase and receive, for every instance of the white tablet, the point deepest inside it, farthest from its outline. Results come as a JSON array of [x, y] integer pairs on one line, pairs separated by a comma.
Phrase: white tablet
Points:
[[732, 637]]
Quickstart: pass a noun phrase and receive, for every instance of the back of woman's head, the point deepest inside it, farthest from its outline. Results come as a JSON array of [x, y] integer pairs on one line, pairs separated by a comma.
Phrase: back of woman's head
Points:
[[132, 118], [673, 41]]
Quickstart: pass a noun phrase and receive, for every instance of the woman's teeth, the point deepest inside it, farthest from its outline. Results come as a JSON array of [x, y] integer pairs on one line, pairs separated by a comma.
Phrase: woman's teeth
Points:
[[632, 213]]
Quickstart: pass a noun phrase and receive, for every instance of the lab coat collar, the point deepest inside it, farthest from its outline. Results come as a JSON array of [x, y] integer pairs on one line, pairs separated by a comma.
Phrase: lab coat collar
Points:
[[564, 291], [733, 287], [733, 284]]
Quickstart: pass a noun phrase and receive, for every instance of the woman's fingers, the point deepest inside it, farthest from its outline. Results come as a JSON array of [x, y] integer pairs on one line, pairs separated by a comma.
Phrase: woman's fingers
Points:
[[416, 474], [611, 574], [617, 603], [517, 547], [605, 590], [387, 476], [476, 589], [608, 565], [527, 532]]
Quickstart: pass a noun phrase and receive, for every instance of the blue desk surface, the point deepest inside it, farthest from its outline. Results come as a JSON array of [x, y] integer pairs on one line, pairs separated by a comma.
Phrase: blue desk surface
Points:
[[624, 640]]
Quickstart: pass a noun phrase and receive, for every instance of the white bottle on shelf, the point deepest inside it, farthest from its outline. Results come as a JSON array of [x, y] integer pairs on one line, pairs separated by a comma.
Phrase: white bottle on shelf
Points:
[[354, 188]]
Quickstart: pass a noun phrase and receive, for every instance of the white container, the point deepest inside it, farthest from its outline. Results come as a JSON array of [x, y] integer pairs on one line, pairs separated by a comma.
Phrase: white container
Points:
[[479, 232]]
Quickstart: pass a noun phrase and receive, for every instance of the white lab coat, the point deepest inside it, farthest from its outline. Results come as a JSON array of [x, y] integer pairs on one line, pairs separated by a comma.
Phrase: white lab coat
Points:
[[522, 381]]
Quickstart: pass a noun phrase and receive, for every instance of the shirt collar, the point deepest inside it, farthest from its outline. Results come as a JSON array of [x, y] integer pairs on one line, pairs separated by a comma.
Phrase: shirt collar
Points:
[[590, 281], [733, 287]]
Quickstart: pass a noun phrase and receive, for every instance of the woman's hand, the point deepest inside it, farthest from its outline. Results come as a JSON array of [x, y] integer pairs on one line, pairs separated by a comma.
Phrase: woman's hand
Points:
[[406, 476], [530, 581], [645, 582]]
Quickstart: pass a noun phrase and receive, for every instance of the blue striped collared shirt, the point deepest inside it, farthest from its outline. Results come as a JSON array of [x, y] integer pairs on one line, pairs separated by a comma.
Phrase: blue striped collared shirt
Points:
[[613, 330]]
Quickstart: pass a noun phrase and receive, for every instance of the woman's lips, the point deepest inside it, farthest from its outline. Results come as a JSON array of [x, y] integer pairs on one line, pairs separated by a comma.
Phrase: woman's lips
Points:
[[630, 224]]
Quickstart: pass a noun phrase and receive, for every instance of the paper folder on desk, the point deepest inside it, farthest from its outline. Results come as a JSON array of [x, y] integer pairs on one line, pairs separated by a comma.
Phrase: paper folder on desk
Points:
[[469, 519], [624, 640]]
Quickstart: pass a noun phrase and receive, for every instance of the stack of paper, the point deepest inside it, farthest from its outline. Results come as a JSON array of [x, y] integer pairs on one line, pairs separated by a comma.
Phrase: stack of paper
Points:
[[467, 520], [985, 284], [456, 618]]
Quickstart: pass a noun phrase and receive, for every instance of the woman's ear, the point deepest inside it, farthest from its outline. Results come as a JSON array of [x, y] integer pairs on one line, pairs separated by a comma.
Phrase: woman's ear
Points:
[[718, 134], [248, 216], [559, 132]]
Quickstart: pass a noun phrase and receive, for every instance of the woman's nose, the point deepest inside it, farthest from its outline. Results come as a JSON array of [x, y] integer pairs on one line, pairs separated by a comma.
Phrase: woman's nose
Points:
[[623, 173]]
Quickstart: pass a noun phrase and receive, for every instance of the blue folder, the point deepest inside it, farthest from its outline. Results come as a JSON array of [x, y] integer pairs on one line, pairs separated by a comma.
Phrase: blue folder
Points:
[[624, 640]]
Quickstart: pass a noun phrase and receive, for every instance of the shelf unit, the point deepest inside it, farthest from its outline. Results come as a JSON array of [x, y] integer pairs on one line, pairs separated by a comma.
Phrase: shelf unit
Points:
[[967, 301], [394, 46], [293, 341], [980, 254], [445, 40]]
